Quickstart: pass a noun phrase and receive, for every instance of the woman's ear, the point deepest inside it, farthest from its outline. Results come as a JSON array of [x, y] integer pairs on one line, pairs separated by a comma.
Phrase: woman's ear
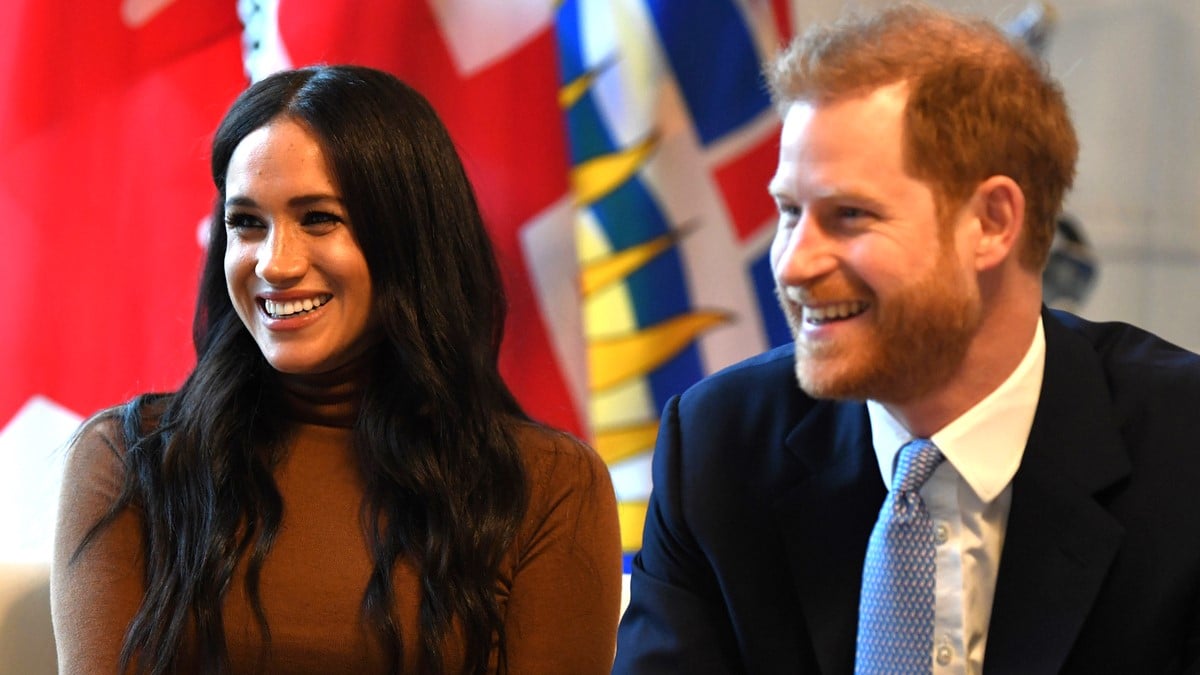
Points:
[[1000, 207]]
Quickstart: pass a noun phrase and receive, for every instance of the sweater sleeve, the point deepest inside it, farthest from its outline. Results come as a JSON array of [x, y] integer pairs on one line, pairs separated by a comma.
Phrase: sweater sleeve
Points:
[[565, 598], [94, 591]]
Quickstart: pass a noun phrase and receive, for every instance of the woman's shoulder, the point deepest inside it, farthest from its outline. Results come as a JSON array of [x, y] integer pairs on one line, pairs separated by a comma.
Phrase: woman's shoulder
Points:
[[102, 432], [99, 445], [565, 477], [93, 473], [548, 451]]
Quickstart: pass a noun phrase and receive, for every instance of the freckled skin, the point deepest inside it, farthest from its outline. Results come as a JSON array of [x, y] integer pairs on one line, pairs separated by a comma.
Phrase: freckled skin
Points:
[[290, 238]]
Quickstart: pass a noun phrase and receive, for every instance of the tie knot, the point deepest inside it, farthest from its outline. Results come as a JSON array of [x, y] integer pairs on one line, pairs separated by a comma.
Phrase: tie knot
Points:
[[918, 458]]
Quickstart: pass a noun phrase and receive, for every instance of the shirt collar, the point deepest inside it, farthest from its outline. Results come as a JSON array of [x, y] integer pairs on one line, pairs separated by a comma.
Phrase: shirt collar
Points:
[[985, 444]]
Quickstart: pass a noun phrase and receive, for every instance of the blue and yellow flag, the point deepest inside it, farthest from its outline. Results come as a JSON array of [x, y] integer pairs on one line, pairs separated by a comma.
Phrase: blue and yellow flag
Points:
[[672, 143]]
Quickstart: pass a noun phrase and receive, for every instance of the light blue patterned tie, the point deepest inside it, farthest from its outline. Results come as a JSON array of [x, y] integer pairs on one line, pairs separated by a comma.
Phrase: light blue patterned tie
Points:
[[895, 610]]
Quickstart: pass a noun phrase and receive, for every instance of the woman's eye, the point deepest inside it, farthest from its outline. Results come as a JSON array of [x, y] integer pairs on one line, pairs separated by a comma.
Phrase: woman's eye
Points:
[[321, 218], [241, 221]]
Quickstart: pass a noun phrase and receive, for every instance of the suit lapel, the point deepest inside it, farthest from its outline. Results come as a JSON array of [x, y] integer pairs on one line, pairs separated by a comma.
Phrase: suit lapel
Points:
[[1060, 541], [825, 522]]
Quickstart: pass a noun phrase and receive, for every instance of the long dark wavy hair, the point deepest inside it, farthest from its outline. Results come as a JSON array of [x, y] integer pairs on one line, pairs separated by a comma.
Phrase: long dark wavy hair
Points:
[[445, 486]]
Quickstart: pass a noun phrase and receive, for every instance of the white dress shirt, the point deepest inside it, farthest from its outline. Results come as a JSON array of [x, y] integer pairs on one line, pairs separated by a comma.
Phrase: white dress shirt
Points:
[[968, 497]]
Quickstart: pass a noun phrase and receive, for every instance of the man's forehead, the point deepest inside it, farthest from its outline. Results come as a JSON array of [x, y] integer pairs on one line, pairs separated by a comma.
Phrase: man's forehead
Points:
[[809, 123], [895, 93]]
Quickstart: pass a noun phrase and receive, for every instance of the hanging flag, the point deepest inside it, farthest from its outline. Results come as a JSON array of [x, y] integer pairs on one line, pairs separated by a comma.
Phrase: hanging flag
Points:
[[673, 141], [105, 115]]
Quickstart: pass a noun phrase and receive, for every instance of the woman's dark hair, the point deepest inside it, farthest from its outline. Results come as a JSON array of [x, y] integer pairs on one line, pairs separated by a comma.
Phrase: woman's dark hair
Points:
[[445, 486]]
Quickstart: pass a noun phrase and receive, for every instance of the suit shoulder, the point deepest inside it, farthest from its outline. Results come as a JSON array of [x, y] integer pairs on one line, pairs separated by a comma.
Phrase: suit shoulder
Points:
[[770, 372], [1136, 359], [750, 399]]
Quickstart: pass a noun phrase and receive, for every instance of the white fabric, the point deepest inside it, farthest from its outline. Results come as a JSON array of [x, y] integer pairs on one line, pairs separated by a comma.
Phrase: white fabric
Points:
[[969, 497]]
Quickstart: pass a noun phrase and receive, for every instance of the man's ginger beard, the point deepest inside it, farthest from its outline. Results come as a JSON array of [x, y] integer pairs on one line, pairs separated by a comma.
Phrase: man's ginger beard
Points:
[[918, 339]]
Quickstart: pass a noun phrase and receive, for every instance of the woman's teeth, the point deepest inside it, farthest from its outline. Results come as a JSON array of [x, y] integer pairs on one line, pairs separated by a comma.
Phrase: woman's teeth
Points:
[[279, 310]]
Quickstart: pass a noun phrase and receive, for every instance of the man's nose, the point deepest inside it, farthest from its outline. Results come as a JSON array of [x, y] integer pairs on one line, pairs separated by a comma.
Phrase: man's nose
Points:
[[805, 252]]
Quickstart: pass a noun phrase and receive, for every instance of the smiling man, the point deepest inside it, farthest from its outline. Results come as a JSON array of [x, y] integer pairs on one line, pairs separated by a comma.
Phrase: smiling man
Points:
[[939, 474]]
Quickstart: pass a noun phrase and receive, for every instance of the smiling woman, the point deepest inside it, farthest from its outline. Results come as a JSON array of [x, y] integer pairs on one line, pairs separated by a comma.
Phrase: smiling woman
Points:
[[296, 275], [344, 483]]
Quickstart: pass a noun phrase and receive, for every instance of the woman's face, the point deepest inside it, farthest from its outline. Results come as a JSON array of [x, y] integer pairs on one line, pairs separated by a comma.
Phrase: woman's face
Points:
[[294, 270]]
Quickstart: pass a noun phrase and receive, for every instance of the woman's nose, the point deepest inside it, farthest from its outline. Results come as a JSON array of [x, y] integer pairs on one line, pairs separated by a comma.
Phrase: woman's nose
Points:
[[283, 258]]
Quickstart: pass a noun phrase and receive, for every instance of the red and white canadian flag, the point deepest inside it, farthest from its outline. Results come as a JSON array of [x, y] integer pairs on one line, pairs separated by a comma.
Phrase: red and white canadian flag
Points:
[[105, 115]]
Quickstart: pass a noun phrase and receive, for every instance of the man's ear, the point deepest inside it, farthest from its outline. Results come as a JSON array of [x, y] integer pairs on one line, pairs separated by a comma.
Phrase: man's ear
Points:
[[1000, 207]]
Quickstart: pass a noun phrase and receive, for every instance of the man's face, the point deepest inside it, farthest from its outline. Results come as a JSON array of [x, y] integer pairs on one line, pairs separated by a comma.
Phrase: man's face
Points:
[[876, 293]]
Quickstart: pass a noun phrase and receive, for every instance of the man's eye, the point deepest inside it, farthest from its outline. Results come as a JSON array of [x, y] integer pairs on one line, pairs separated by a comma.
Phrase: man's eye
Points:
[[790, 211], [853, 213]]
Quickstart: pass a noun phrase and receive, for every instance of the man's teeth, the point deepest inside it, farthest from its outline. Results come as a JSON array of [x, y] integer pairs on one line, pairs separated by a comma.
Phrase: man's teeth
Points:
[[279, 310], [840, 310]]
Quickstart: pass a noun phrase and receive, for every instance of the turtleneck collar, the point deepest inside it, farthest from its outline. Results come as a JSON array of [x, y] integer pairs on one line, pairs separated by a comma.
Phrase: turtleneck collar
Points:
[[329, 399]]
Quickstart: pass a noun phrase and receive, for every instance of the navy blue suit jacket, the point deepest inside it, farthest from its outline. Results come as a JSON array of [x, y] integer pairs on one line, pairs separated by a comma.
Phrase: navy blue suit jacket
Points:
[[764, 499]]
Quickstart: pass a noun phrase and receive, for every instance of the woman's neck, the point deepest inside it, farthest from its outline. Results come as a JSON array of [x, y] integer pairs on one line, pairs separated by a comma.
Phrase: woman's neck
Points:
[[328, 399]]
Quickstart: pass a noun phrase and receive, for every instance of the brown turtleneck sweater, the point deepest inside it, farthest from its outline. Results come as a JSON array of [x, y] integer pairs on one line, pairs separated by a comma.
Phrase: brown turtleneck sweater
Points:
[[559, 584]]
